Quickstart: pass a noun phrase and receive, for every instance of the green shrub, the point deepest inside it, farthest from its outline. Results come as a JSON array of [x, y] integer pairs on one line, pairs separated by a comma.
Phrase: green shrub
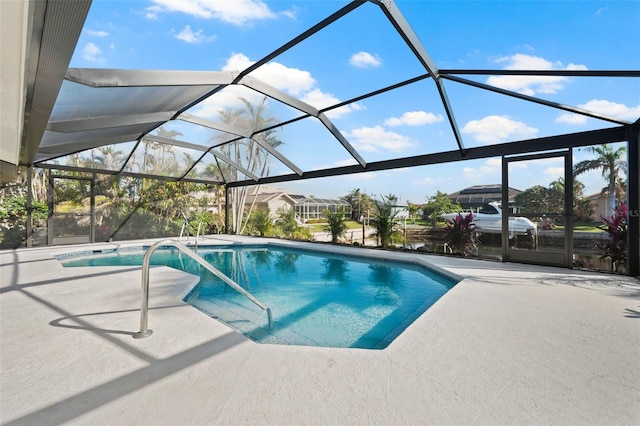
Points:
[[460, 234]]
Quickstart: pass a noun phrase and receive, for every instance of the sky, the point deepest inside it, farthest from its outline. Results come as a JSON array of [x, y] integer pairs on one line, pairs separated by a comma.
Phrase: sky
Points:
[[361, 53]]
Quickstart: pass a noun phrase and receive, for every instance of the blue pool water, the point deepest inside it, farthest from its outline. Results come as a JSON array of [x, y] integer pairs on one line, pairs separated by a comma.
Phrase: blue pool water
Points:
[[317, 298]]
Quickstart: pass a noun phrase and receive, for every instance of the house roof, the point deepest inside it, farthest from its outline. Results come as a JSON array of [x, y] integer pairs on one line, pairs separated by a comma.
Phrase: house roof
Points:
[[479, 194], [322, 201]]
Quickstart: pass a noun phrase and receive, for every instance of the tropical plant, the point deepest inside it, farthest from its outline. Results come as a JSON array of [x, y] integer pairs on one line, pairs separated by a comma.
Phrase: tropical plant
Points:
[[617, 228], [301, 234], [336, 224], [13, 217], [14, 208], [539, 199], [287, 222], [248, 153], [261, 222], [611, 161], [438, 205], [413, 210], [384, 220], [361, 204], [460, 234]]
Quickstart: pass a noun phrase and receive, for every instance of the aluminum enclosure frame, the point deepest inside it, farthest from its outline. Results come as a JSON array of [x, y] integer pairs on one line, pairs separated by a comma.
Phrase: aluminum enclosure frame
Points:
[[58, 24]]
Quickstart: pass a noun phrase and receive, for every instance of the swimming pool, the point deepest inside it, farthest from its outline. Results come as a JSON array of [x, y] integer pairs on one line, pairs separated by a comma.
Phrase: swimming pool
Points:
[[317, 298]]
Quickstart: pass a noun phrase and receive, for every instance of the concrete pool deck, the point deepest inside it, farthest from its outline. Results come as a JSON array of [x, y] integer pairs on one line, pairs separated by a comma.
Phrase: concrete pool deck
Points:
[[510, 344]]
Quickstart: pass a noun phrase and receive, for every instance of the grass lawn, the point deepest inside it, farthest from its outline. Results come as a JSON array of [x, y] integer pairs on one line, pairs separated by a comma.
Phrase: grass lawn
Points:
[[319, 227], [583, 227]]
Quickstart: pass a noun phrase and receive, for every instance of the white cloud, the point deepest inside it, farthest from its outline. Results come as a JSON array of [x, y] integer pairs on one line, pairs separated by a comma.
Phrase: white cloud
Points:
[[356, 177], [612, 109], [152, 12], [493, 162], [343, 110], [492, 167], [471, 174], [345, 162], [495, 129], [291, 80], [530, 85], [237, 62], [424, 181], [414, 118], [377, 139], [554, 171], [572, 119], [193, 37], [365, 60], [319, 99], [97, 33], [237, 12], [91, 53], [550, 160], [229, 98], [604, 107]]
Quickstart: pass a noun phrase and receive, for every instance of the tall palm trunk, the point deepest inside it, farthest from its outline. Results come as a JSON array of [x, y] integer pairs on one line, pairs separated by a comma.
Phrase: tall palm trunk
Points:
[[612, 194]]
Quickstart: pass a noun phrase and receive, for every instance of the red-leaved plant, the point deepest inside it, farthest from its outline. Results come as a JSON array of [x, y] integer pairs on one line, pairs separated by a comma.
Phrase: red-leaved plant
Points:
[[617, 228], [460, 234]]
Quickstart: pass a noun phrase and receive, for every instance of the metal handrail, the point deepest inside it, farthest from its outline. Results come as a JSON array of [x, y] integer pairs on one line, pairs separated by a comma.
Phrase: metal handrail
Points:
[[185, 225], [198, 234], [144, 308]]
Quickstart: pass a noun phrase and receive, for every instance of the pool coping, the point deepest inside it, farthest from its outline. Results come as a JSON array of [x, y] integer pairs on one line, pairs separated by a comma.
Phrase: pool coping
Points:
[[361, 252]]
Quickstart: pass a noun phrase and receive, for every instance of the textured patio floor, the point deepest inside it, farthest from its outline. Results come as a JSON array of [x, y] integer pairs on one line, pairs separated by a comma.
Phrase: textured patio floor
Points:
[[510, 344]]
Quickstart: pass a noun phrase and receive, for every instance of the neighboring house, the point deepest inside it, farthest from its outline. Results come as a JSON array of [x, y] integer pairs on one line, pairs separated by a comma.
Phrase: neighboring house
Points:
[[314, 208], [271, 199], [214, 203], [599, 202], [478, 196], [275, 199]]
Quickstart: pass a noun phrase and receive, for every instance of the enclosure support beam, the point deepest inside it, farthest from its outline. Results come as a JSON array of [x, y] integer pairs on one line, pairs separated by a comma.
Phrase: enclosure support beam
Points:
[[227, 223], [50, 209], [633, 163], [29, 226], [568, 209], [593, 137]]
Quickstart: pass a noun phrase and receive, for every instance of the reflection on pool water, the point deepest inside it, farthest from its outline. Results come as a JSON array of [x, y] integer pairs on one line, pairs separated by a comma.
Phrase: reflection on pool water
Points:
[[317, 298]]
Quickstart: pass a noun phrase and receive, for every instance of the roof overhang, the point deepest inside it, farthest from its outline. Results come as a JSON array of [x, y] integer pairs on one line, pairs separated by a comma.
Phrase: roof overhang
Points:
[[38, 40]]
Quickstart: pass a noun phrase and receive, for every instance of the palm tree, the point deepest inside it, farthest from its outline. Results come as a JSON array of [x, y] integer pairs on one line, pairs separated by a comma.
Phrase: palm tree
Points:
[[413, 210], [360, 202], [611, 162], [336, 224], [287, 221], [261, 221], [247, 152], [384, 219]]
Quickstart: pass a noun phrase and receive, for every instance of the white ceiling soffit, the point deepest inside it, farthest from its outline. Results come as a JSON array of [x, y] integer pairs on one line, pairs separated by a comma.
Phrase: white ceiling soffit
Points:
[[15, 21], [55, 29]]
